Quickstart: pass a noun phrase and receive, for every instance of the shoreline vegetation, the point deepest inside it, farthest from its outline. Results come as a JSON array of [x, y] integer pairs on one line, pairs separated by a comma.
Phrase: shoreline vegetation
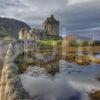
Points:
[[95, 95], [72, 52]]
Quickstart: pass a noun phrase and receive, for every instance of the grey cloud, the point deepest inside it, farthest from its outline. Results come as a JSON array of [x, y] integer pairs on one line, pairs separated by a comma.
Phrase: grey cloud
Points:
[[78, 18], [83, 16]]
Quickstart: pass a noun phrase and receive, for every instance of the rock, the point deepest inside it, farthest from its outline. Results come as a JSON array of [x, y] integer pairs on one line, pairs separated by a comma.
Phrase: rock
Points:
[[11, 87]]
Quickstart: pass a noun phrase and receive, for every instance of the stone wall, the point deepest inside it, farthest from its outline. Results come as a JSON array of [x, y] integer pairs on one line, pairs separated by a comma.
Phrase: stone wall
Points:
[[10, 86]]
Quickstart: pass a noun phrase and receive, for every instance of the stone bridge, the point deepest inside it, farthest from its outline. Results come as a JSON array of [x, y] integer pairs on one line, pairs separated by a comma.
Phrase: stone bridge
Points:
[[11, 87]]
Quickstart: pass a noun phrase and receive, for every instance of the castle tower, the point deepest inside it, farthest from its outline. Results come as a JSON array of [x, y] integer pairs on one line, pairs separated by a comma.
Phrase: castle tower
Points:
[[51, 26], [23, 33]]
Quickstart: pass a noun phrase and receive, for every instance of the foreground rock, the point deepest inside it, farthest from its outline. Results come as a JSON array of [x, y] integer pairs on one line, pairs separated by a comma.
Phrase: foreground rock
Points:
[[11, 87]]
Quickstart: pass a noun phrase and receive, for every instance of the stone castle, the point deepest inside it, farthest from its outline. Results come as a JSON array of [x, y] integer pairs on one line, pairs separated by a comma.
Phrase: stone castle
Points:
[[51, 26], [50, 30]]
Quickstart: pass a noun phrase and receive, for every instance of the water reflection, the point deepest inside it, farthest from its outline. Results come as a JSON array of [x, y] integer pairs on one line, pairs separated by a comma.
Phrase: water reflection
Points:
[[69, 81], [46, 87], [53, 77]]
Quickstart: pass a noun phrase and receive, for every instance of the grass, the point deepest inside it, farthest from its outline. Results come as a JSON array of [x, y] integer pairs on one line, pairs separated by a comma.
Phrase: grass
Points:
[[49, 42]]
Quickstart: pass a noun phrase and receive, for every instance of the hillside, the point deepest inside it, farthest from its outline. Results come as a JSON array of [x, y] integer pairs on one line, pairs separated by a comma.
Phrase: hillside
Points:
[[11, 27]]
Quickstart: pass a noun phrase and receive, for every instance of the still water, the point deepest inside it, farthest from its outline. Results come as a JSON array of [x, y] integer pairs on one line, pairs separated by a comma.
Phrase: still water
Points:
[[62, 80]]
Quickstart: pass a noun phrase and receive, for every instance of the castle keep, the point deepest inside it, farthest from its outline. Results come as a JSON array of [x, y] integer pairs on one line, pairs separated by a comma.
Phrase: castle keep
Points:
[[51, 26]]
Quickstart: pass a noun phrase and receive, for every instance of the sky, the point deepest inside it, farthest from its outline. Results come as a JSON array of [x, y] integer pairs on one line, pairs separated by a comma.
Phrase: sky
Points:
[[75, 16]]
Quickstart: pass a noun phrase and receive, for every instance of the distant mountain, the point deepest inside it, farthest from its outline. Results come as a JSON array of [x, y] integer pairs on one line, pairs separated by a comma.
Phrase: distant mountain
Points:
[[76, 37], [73, 40], [11, 27]]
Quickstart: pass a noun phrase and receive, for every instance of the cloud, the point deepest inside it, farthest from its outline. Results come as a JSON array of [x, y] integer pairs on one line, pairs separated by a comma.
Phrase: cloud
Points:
[[73, 2], [76, 16], [29, 10], [81, 18]]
